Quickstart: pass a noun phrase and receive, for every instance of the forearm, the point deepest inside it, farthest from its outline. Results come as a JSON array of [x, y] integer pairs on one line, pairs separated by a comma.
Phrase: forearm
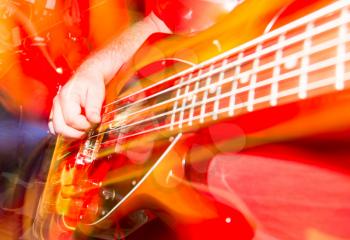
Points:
[[86, 88], [109, 59]]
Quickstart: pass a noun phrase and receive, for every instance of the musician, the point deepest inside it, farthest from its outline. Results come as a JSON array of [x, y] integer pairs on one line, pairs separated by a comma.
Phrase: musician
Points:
[[77, 106], [280, 190], [285, 211], [86, 88], [30, 86]]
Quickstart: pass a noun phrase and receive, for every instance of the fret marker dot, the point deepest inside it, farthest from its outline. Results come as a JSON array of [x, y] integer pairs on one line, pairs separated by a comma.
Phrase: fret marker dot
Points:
[[217, 44], [228, 220], [291, 62], [169, 176], [59, 70]]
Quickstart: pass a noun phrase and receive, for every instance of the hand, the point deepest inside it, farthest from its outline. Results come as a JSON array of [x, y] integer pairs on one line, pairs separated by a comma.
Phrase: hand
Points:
[[78, 104]]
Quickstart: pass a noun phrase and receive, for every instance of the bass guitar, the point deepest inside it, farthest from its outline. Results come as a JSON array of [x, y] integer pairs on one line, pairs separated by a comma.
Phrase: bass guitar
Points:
[[269, 72]]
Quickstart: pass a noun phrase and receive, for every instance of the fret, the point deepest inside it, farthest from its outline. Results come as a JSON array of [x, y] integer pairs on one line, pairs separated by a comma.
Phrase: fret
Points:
[[231, 110], [296, 73], [218, 91], [276, 72], [194, 98], [234, 86], [184, 100], [253, 79], [205, 96], [268, 50], [288, 92], [305, 61], [175, 105], [341, 50], [292, 60]]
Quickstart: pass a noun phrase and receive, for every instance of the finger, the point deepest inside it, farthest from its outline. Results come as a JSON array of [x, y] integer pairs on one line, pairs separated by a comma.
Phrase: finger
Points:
[[94, 100], [50, 124], [70, 101], [51, 128], [60, 126]]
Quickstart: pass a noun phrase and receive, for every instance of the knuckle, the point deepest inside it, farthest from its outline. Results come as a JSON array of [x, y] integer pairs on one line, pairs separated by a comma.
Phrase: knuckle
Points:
[[51, 129], [58, 130], [69, 121]]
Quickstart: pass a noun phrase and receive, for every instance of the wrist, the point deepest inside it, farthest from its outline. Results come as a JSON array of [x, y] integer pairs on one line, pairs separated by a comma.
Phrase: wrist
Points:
[[107, 61], [98, 65], [92, 69]]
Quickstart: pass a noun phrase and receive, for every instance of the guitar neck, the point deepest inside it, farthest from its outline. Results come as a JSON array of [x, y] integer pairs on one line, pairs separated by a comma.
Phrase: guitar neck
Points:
[[305, 58]]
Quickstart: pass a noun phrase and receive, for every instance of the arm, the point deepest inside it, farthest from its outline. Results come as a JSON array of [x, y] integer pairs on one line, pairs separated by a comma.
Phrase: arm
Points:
[[86, 89]]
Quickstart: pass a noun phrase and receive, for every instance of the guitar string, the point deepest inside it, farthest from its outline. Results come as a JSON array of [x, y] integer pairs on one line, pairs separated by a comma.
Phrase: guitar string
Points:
[[259, 69], [324, 83], [235, 107], [255, 102], [245, 89], [317, 30], [332, 8], [289, 92], [327, 45], [281, 77], [236, 63], [238, 91]]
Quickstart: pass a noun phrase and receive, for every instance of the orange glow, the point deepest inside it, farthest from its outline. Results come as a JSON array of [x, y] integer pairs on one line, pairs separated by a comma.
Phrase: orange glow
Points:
[[239, 131]]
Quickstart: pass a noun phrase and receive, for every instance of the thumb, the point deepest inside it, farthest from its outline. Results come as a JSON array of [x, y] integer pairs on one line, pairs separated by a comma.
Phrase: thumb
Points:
[[94, 100]]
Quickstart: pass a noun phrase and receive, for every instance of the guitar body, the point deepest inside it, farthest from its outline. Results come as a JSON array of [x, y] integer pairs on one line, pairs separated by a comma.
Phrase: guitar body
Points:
[[158, 158]]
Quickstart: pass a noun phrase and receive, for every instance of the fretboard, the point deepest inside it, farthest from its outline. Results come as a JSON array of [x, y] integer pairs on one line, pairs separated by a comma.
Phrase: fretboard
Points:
[[305, 58]]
